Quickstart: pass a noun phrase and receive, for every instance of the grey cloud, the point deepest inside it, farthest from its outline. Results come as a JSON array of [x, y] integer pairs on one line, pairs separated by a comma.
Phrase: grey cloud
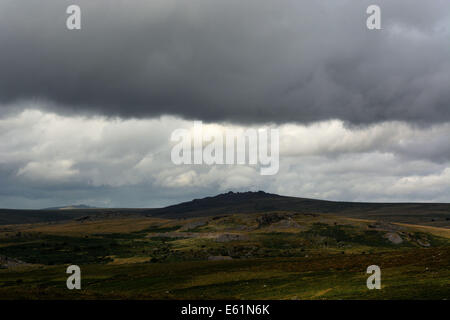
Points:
[[252, 61], [334, 138]]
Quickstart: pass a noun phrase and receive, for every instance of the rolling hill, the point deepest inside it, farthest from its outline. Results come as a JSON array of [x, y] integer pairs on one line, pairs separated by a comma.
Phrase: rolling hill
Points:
[[432, 214], [437, 214], [250, 245]]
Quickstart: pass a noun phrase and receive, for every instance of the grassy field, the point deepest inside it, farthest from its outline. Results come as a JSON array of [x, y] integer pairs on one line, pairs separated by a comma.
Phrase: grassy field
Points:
[[276, 255]]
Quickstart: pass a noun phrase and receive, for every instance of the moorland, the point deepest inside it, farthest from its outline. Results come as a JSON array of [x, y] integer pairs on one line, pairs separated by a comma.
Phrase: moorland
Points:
[[250, 245]]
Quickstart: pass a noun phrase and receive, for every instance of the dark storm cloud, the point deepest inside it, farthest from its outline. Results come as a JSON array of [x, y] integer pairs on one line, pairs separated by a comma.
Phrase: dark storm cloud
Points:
[[241, 61]]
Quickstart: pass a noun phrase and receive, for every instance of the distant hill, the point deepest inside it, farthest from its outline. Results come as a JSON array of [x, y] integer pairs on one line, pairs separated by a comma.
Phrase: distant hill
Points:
[[12, 216], [432, 214], [72, 207], [226, 203], [258, 202], [17, 216]]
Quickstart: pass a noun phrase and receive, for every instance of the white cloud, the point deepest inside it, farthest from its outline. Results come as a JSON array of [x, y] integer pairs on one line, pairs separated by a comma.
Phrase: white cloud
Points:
[[58, 170], [41, 152]]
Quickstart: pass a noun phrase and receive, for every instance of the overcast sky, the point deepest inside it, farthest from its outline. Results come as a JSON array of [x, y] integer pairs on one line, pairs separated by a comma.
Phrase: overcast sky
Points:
[[86, 116]]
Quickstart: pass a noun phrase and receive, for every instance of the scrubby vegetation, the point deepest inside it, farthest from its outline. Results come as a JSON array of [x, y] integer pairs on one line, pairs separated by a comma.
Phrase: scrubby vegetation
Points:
[[275, 255]]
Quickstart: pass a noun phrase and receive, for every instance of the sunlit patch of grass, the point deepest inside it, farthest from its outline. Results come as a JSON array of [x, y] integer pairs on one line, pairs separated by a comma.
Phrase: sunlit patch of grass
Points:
[[121, 261]]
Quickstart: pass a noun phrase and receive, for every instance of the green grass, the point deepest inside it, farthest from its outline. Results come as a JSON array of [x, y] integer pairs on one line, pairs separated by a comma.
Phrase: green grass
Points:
[[404, 276], [327, 261]]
